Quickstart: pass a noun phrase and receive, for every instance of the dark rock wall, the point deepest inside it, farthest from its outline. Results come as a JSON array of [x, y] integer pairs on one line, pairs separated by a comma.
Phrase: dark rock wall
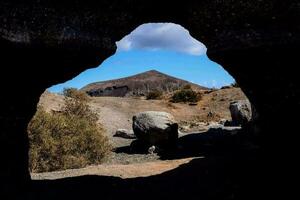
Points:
[[46, 42]]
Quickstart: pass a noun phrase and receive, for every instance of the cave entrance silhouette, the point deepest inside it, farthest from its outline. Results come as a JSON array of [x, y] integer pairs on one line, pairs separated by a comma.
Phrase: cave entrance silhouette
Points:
[[58, 40], [204, 119]]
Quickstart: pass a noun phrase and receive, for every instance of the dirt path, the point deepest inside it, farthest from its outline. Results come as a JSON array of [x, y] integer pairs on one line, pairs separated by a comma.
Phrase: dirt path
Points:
[[122, 171]]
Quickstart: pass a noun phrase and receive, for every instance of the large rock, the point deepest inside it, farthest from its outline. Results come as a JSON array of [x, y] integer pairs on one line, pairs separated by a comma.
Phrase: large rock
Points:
[[155, 128], [241, 112]]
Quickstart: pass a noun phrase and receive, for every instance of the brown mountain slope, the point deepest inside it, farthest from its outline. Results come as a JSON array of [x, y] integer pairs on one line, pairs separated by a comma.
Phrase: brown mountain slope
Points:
[[138, 85]]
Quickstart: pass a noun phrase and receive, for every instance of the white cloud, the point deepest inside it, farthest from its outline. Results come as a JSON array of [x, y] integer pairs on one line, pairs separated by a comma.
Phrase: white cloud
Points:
[[161, 36], [124, 44]]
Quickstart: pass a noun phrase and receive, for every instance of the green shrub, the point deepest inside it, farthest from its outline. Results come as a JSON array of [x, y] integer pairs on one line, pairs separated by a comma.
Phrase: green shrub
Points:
[[67, 139], [186, 95], [154, 95]]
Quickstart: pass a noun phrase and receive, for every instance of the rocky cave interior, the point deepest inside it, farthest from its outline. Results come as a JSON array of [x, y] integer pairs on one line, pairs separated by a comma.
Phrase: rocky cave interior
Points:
[[44, 43]]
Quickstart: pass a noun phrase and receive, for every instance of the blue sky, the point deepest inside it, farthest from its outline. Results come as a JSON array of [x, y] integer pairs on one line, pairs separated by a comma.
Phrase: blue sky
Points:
[[164, 47]]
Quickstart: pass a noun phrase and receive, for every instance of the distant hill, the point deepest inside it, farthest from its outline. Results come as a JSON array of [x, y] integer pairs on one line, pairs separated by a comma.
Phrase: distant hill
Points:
[[138, 85]]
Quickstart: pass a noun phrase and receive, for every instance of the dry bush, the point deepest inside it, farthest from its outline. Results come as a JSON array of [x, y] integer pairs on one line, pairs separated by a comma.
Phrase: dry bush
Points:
[[186, 96], [76, 104], [154, 95], [70, 139], [76, 94]]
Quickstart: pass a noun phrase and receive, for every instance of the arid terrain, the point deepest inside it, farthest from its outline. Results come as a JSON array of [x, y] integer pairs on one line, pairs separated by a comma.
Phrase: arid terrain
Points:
[[116, 107], [116, 113]]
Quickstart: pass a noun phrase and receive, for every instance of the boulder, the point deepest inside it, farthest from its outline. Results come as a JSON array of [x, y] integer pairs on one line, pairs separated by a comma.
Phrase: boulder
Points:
[[241, 112], [155, 128], [124, 133]]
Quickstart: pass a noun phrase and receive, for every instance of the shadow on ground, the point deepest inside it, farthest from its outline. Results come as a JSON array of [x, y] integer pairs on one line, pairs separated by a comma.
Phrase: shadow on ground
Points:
[[222, 174], [219, 177], [215, 141]]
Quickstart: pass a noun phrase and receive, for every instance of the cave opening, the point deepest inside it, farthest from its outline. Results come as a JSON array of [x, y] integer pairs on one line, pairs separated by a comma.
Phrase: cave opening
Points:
[[45, 43], [159, 73]]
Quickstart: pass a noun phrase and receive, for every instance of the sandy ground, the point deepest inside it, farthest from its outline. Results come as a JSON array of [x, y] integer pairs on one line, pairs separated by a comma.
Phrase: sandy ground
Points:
[[122, 171]]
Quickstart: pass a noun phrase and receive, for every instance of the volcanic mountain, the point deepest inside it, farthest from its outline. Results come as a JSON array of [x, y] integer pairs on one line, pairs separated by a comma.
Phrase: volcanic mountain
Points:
[[138, 85]]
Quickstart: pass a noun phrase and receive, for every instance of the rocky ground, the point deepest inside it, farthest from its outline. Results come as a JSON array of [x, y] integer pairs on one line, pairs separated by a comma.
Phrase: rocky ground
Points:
[[116, 113]]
